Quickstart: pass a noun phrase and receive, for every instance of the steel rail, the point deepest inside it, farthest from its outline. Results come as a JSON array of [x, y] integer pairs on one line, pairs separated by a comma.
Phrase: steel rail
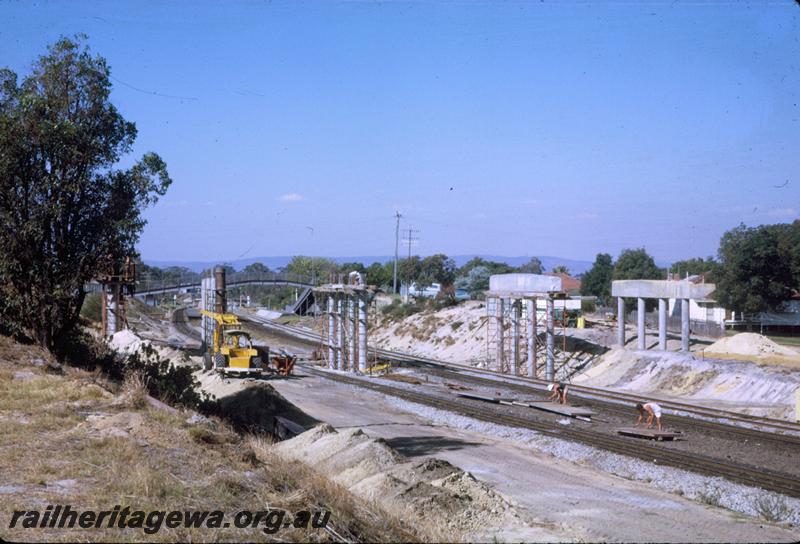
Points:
[[743, 474], [583, 391]]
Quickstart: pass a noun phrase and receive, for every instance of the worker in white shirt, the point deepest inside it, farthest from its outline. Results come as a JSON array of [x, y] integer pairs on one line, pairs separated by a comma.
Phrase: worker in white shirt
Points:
[[652, 411]]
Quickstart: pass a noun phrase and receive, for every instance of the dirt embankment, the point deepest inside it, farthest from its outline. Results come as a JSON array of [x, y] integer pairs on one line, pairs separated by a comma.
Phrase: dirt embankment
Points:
[[767, 390], [444, 498], [456, 334], [73, 438]]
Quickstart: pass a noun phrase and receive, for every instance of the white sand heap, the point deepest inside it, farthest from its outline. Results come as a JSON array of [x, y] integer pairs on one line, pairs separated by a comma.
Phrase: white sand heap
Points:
[[750, 344], [737, 385], [432, 488], [125, 342]]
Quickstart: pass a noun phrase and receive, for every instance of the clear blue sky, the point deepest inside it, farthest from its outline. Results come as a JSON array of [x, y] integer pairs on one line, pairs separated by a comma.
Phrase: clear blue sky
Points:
[[563, 128]]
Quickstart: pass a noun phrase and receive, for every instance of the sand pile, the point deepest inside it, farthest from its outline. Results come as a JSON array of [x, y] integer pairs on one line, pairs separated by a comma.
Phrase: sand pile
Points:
[[457, 333], [750, 344], [433, 489], [734, 385], [125, 342]]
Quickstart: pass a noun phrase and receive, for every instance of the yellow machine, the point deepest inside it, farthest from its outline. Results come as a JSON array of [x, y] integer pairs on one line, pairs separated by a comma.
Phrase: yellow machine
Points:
[[231, 349]]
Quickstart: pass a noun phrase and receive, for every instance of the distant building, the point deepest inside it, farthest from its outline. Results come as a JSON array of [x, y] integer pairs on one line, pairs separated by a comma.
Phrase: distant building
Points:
[[571, 285]]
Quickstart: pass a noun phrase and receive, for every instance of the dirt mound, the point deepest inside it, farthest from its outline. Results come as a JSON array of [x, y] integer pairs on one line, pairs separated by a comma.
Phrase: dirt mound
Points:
[[736, 385], [750, 344], [433, 489]]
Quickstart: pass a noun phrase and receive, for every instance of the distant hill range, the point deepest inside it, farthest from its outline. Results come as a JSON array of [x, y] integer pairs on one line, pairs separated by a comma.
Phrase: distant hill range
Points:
[[548, 263]]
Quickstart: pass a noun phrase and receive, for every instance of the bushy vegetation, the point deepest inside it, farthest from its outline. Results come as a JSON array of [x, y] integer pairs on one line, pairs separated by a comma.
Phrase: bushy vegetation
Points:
[[67, 210]]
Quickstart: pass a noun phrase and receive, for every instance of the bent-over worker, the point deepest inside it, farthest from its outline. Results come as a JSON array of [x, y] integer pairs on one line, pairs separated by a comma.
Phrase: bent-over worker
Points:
[[653, 411], [559, 392]]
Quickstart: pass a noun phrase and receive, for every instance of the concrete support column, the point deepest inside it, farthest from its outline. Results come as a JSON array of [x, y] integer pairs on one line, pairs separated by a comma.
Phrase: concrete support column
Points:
[[352, 332], [531, 336], [500, 311], [685, 324], [331, 333], [516, 312], [621, 322], [662, 324], [550, 362], [341, 313], [362, 334], [642, 335]]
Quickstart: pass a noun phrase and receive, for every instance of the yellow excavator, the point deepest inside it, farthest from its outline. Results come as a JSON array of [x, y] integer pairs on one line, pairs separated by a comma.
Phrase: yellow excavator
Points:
[[231, 350]]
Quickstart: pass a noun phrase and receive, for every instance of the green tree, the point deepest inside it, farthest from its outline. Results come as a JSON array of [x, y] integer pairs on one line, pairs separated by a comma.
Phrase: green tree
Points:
[[256, 269], [437, 268], [636, 264], [758, 267], [378, 274], [409, 269], [561, 269], [695, 267], [307, 269], [534, 266], [346, 268], [597, 280], [65, 207]]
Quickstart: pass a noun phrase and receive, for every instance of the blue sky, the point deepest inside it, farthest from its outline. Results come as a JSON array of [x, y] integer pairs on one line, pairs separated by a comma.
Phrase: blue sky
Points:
[[513, 128]]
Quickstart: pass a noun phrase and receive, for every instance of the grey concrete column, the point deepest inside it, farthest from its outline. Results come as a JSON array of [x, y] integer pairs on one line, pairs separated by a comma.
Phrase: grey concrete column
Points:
[[341, 320], [621, 322], [331, 333], [662, 324], [642, 338], [516, 312], [362, 334], [685, 324], [550, 362], [500, 310], [352, 331], [531, 334]]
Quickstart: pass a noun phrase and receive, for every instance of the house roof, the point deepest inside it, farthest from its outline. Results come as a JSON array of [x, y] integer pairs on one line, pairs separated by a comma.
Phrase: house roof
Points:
[[568, 283]]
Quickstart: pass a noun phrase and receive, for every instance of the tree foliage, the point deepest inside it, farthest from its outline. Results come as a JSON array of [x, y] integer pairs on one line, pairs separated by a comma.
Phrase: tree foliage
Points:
[[560, 269], [696, 267], [597, 280], [759, 267], [308, 269], [534, 266], [64, 205], [381, 275], [636, 264], [256, 269]]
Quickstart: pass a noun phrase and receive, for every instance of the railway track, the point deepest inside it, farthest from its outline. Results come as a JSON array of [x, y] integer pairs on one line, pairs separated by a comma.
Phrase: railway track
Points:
[[650, 452], [700, 417]]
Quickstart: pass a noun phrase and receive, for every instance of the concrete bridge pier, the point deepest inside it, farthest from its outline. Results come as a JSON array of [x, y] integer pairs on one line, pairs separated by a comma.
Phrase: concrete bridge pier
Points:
[[640, 315], [550, 362], [516, 313], [353, 318], [621, 322], [500, 310], [342, 304], [362, 334], [331, 333], [662, 324], [685, 333], [531, 336]]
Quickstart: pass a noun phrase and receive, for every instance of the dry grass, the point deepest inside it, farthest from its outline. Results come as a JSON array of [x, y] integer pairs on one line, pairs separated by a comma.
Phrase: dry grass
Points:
[[356, 516], [54, 432], [134, 390]]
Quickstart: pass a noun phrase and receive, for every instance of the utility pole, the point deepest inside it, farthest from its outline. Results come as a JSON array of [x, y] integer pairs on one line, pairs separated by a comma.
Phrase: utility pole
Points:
[[410, 238], [396, 248]]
